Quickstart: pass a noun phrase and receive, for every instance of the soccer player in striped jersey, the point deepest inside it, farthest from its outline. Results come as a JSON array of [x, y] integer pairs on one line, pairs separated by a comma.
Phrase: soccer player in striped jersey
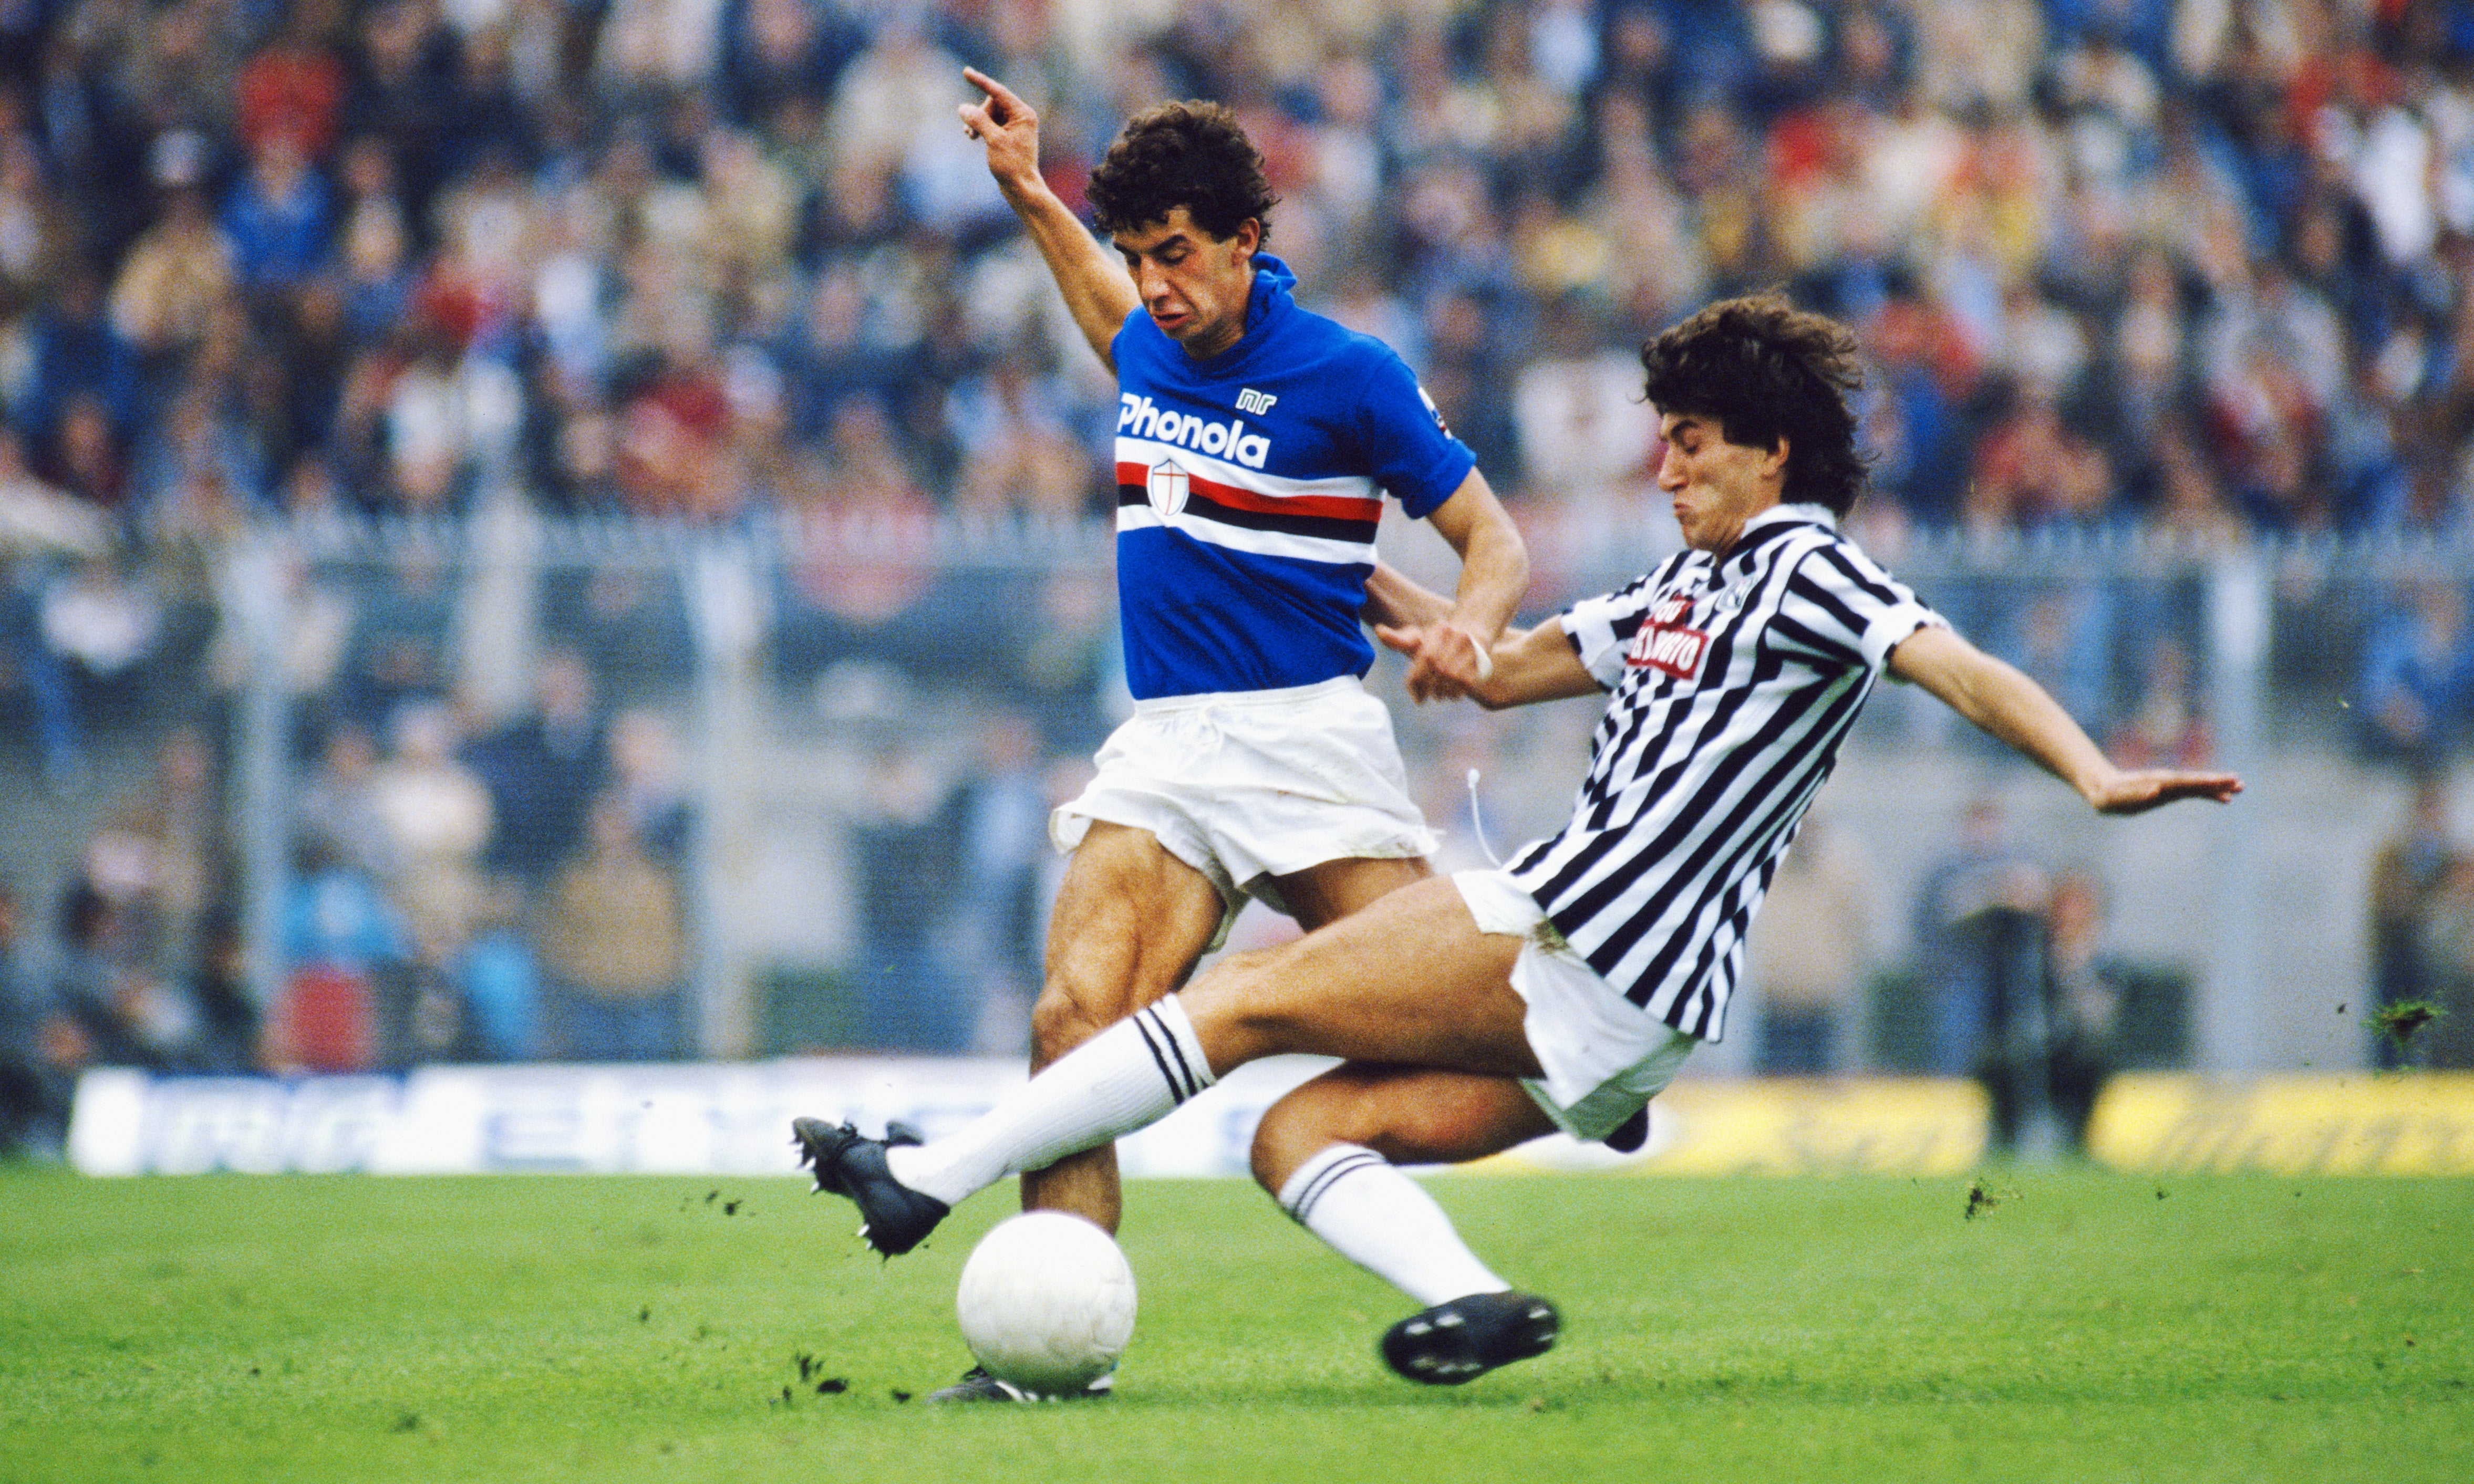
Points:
[[1256, 445], [1563, 990]]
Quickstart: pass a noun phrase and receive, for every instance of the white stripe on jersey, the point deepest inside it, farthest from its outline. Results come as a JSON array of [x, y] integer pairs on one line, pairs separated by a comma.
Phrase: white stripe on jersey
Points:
[[1734, 682]]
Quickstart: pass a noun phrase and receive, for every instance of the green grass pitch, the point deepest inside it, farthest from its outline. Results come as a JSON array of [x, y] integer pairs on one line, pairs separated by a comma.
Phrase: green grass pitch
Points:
[[2085, 1326]]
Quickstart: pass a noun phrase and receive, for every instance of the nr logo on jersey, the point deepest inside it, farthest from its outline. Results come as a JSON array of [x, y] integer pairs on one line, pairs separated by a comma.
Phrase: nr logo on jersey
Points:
[[1168, 487], [1665, 644], [1254, 401]]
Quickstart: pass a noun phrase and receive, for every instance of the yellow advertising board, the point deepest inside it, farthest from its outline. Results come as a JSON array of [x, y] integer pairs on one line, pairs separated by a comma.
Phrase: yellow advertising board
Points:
[[2411, 1123]]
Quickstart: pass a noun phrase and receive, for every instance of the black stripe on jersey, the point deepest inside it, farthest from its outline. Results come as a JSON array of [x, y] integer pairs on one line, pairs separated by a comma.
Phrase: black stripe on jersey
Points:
[[1688, 821], [1710, 838], [1805, 590], [1745, 835], [1807, 642], [1329, 527], [1156, 1037], [1718, 663], [1870, 584]]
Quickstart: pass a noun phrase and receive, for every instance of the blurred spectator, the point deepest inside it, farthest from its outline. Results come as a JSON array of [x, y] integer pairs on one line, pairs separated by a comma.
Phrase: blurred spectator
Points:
[[278, 216], [438, 817], [1005, 854], [2167, 725], [906, 849], [499, 976], [2411, 874], [172, 279], [2084, 991], [648, 777], [75, 352], [613, 942], [226, 1043], [40, 526], [34, 1103], [341, 935], [106, 1010], [1809, 951], [542, 772], [1978, 933], [336, 807], [2417, 670]]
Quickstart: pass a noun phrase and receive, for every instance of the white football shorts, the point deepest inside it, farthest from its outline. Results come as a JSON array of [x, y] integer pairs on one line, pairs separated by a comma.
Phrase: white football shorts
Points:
[[1244, 786], [1603, 1056]]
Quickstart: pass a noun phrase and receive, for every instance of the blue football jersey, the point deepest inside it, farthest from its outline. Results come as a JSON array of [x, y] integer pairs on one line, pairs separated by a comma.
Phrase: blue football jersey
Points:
[[1248, 487]]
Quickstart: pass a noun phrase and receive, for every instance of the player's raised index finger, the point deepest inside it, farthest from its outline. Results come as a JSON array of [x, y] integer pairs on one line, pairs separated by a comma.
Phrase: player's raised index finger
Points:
[[996, 91]]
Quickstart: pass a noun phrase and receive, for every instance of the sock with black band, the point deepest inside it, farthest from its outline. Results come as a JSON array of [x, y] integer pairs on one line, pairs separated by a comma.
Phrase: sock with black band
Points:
[[1126, 1078], [1378, 1218]]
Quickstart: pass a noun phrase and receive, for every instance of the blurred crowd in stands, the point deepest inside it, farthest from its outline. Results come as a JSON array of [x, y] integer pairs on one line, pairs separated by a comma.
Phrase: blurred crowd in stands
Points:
[[2202, 267], [2201, 263]]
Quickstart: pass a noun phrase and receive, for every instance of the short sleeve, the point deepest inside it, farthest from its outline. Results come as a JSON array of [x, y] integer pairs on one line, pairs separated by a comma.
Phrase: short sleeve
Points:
[[1407, 447], [1841, 608], [1601, 627]]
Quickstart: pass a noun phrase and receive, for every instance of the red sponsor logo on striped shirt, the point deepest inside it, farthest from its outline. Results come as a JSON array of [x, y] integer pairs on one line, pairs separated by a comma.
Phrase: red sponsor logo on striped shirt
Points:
[[1665, 644]]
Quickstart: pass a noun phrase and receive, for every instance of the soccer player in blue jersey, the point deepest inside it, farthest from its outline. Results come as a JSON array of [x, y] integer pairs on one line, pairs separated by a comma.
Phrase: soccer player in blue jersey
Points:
[[1565, 990], [1256, 445]]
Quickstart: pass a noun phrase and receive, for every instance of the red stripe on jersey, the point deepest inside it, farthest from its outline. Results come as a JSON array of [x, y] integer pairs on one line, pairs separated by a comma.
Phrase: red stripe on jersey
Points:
[[1330, 507]]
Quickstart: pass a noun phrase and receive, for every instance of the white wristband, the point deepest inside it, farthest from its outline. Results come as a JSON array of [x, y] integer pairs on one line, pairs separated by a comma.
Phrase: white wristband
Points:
[[1485, 664]]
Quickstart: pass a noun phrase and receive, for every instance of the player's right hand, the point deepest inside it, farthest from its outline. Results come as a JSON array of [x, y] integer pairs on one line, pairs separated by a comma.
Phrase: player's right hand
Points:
[[1008, 126], [1446, 662]]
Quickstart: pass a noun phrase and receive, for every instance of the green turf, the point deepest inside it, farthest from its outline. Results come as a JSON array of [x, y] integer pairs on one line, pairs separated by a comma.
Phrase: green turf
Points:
[[2088, 1327]]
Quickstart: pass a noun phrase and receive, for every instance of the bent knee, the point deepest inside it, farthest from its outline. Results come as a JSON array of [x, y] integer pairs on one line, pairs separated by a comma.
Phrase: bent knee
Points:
[[1330, 1110], [1067, 1014]]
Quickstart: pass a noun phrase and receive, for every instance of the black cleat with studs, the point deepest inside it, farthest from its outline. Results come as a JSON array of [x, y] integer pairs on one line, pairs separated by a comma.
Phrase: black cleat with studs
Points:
[[1463, 1340], [894, 1217], [976, 1385]]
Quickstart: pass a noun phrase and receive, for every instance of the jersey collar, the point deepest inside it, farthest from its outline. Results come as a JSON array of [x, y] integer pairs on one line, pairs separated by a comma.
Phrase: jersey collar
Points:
[[1770, 525], [1267, 302]]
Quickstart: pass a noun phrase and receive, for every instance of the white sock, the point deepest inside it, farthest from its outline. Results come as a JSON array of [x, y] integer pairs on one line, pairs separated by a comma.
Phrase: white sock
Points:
[[1384, 1222], [1128, 1077]]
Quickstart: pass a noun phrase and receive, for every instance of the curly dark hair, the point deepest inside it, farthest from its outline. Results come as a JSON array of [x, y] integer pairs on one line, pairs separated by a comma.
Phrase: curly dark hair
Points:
[[1192, 154], [1763, 369]]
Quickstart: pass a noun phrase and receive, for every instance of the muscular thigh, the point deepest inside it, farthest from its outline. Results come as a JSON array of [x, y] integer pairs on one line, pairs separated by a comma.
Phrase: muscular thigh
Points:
[[1409, 1115], [1408, 980], [1322, 894], [1129, 922]]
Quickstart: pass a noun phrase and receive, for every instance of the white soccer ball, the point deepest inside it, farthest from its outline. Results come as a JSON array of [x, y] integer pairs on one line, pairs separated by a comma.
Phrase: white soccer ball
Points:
[[1047, 1302]]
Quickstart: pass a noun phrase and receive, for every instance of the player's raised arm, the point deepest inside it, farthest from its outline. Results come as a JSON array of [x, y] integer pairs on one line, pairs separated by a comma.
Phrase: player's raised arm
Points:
[[1448, 643], [2009, 705], [1098, 291]]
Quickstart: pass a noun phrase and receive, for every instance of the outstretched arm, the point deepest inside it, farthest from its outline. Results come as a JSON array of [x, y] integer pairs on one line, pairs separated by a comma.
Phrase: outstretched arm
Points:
[[1097, 290], [1447, 642], [1522, 665], [2009, 705]]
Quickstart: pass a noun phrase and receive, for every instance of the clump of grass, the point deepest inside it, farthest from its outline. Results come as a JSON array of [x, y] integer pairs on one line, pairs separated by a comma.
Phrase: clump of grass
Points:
[[2404, 1019]]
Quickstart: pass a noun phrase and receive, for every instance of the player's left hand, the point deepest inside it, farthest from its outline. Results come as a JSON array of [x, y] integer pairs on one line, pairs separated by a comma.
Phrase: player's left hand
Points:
[[1446, 662], [2142, 790]]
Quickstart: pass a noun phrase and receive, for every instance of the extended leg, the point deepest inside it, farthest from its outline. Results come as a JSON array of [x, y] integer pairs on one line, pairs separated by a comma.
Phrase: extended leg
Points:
[[1410, 980]]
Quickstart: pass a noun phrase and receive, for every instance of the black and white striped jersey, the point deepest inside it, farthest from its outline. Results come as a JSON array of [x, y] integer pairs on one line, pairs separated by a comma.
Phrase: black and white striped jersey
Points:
[[1734, 681]]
